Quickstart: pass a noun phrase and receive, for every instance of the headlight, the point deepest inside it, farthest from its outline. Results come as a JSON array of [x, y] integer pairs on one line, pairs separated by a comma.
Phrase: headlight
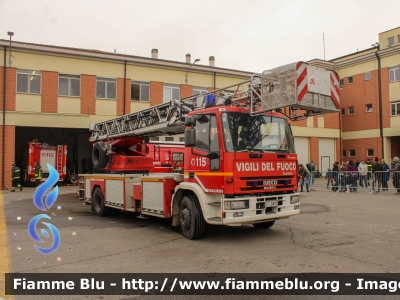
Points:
[[236, 204], [294, 199]]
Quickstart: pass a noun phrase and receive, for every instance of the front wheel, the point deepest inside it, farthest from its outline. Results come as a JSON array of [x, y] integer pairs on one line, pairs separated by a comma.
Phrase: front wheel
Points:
[[191, 218], [264, 225]]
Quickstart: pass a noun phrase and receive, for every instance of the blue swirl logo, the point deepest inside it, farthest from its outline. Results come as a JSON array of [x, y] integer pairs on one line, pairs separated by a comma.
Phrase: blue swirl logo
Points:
[[48, 202]]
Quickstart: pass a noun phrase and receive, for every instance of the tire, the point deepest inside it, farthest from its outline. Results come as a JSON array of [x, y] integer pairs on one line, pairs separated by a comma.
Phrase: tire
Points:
[[264, 225], [191, 218], [73, 178], [98, 204], [99, 156]]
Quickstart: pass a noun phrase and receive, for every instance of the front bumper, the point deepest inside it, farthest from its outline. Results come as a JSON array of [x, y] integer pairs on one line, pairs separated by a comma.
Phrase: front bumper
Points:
[[261, 209]]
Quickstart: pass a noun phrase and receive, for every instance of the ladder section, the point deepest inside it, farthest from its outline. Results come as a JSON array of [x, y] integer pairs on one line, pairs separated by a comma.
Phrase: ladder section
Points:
[[165, 118], [60, 155]]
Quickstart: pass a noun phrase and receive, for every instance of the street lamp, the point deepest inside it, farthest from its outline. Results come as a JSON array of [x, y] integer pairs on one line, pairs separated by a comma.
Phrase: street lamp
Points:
[[195, 61], [11, 34], [378, 57]]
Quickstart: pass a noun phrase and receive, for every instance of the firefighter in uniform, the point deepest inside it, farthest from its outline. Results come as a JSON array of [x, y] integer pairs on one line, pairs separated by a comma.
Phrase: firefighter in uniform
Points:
[[38, 174], [176, 168], [15, 176]]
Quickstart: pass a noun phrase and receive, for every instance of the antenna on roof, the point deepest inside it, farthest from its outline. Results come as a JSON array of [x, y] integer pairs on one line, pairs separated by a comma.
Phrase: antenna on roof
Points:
[[323, 40]]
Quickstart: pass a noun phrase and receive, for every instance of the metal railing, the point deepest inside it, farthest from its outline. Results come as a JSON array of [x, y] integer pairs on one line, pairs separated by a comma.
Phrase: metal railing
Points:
[[385, 181], [351, 181]]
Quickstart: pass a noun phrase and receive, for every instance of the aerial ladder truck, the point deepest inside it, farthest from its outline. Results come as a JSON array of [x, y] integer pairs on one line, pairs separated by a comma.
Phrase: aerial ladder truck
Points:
[[240, 165]]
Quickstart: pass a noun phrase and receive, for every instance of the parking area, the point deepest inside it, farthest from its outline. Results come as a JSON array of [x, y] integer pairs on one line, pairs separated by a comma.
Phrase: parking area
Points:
[[335, 232]]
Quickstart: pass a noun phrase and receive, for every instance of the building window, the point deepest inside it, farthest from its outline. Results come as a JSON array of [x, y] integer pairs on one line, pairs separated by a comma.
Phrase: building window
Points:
[[370, 153], [367, 76], [169, 138], [343, 112], [350, 110], [395, 111], [69, 85], [398, 38], [28, 81], [352, 153], [154, 138], [171, 92], [368, 108], [199, 90], [391, 40], [106, 88], [349, 80], [182, 139], [344, 152], [394, 74], [140, 91], [341, 82]]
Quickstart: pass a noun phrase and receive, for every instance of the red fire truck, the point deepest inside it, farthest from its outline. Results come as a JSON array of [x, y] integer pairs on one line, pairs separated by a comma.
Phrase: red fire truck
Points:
[[55, 155], [240, 165]]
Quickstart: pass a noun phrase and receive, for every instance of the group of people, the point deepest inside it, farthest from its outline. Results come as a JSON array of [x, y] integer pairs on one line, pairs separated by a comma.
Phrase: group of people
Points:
[[362, 173], [16, 176]]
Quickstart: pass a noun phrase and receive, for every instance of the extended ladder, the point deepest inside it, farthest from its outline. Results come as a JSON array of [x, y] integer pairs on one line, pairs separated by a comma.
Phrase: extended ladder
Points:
[[285, 89]]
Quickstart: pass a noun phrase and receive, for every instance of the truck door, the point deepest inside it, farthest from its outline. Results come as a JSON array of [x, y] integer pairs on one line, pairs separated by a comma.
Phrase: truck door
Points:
[[207, 169]]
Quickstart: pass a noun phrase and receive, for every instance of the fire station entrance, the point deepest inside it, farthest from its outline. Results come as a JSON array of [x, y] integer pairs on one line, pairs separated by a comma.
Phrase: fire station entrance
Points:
[[79, 150]]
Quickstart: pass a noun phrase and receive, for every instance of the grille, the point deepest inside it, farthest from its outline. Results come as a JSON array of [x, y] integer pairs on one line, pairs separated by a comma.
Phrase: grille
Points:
[[266, 183]]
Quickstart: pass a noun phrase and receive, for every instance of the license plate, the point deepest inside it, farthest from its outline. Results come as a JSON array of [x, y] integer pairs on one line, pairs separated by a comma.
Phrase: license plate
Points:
[[272, 203]]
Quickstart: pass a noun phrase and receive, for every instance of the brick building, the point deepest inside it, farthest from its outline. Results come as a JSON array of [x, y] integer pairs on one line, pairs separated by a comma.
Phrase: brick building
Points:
[[370, 99], [53, 93]]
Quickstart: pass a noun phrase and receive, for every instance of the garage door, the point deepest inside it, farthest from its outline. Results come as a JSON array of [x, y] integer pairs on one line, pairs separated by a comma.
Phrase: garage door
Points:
[[326, 154], [302, 149]]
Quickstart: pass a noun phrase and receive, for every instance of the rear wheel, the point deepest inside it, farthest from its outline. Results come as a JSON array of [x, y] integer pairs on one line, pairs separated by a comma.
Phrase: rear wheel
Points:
[[191, 218], [264, 225], [98, 205]]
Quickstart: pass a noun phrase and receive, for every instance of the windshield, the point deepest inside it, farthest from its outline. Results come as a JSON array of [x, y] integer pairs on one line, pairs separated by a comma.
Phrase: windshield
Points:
[[262, 133]]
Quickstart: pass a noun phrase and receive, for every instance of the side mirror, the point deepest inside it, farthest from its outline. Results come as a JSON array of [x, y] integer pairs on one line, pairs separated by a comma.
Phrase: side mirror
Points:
[[190, 137], [212, 155], [190, 121]]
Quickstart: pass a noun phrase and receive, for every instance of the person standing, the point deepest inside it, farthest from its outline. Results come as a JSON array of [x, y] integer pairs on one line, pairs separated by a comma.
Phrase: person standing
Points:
[[176, 168], [329, 176], [396, 174], [352, 173], [38, 174], [336, 176], [377, 170], [386, 175], [363, 171], [15, 176], [312, 169], [304, 175]]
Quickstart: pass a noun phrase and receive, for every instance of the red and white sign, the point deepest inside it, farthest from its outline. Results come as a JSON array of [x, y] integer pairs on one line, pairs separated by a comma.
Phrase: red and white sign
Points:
[[318, 81]]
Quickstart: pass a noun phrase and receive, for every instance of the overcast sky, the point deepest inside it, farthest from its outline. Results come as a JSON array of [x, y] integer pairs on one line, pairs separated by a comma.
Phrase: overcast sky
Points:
[[249, 35]]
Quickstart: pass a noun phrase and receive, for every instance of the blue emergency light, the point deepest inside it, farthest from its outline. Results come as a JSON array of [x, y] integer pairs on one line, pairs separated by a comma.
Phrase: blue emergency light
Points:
[[210, 100]]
